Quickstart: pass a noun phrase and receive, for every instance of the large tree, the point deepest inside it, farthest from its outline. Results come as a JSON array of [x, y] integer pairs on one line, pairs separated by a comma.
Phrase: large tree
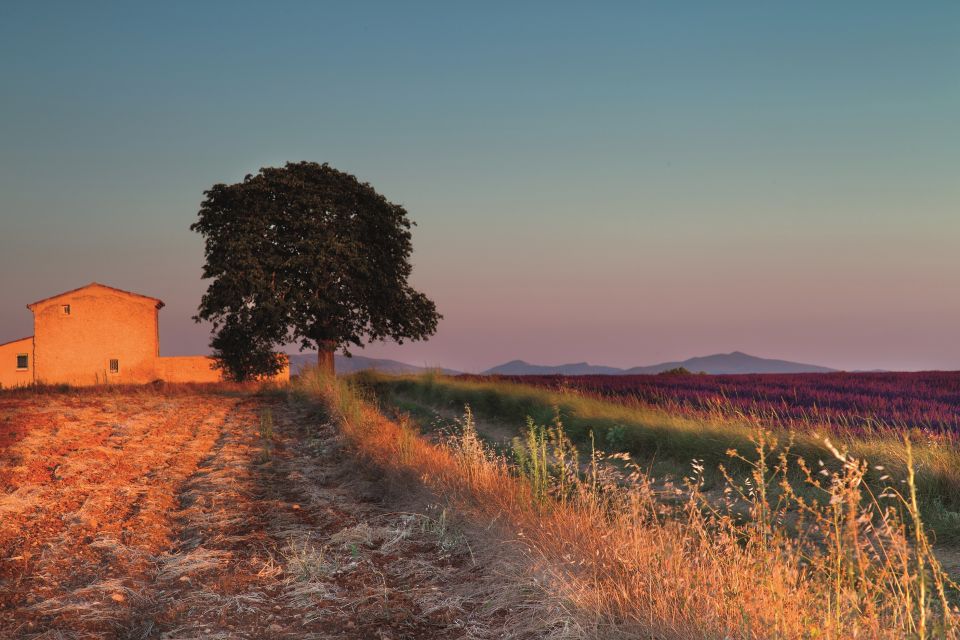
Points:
[[309, 254]]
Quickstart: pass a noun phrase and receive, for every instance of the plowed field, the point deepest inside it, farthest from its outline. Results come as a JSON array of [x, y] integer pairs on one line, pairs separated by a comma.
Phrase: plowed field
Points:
[[166, 515]]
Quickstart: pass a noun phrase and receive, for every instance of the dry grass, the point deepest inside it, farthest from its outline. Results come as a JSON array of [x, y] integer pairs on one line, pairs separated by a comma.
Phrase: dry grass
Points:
[[759, 560]]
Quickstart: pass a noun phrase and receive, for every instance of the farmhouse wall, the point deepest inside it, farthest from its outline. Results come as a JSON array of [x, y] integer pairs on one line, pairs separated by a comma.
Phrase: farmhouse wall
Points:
[[96, 335], [11, 375]]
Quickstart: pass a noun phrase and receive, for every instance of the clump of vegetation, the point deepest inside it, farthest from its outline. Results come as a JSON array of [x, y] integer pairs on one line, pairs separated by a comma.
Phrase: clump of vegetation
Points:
[[266, 432], [676, 371], [306, 562]]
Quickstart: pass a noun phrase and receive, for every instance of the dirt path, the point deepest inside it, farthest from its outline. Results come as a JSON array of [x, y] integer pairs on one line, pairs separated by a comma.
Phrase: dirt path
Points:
[[164, 516]]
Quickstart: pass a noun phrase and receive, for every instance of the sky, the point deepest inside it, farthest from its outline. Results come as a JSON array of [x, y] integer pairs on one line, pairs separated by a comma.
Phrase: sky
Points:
[[618, 183]]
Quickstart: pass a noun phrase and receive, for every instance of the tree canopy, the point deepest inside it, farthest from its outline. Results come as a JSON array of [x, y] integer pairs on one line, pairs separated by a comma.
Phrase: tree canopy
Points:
[[308, 254]]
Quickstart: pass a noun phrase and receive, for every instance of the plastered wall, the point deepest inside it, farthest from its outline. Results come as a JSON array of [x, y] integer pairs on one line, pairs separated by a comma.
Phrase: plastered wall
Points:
[[102, 325], [10, 376]]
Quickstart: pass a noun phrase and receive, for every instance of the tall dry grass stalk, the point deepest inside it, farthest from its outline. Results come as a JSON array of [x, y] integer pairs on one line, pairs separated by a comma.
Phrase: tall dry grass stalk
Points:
[[757, 559]]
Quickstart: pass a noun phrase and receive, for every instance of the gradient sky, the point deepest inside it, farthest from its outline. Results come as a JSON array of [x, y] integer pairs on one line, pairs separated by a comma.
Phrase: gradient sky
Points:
[[620, 183]]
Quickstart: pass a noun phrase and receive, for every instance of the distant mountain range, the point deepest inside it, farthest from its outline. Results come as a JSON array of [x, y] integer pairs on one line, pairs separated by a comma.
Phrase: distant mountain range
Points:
[[523, 368], [721, 363], [343, 364]]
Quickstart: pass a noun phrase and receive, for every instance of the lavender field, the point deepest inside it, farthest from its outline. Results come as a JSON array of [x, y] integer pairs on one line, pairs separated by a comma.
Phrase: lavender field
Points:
[[927, 400]]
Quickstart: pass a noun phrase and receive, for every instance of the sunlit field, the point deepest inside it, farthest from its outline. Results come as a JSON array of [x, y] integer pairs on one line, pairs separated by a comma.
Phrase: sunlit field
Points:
[[221, 511], [371, 504], [786, 545]]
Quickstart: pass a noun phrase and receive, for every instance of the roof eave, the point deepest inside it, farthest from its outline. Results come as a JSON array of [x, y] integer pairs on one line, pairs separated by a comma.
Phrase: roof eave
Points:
[[158, 301], [3, 344]]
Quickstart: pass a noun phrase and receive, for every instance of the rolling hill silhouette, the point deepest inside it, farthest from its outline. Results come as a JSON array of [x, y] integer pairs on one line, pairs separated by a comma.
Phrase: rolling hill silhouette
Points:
[[720, 363]]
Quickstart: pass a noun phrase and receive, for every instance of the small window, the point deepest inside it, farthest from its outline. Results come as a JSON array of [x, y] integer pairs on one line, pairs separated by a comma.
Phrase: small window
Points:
[[114, 366], [66, 309], [23, 362]]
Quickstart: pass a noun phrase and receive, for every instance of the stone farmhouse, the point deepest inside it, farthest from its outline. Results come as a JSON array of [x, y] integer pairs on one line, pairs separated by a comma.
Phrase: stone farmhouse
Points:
[[98, 335]]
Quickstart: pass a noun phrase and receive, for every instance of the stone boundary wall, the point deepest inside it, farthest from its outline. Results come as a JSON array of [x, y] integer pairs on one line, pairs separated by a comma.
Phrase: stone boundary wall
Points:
[[187, 369], [199, 369]]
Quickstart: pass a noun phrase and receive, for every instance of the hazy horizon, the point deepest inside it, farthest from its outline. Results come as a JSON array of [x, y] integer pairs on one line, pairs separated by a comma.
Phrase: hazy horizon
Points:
[[622, 185]]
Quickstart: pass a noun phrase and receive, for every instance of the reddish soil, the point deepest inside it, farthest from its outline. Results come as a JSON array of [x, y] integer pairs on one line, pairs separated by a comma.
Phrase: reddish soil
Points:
[[160, 515]]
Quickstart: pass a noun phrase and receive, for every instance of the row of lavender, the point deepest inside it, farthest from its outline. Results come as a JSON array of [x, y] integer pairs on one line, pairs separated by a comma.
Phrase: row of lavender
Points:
[[927, 400]]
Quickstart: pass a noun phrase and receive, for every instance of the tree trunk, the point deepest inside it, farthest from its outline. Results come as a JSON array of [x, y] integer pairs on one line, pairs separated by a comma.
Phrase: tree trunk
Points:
[[325, 356]]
